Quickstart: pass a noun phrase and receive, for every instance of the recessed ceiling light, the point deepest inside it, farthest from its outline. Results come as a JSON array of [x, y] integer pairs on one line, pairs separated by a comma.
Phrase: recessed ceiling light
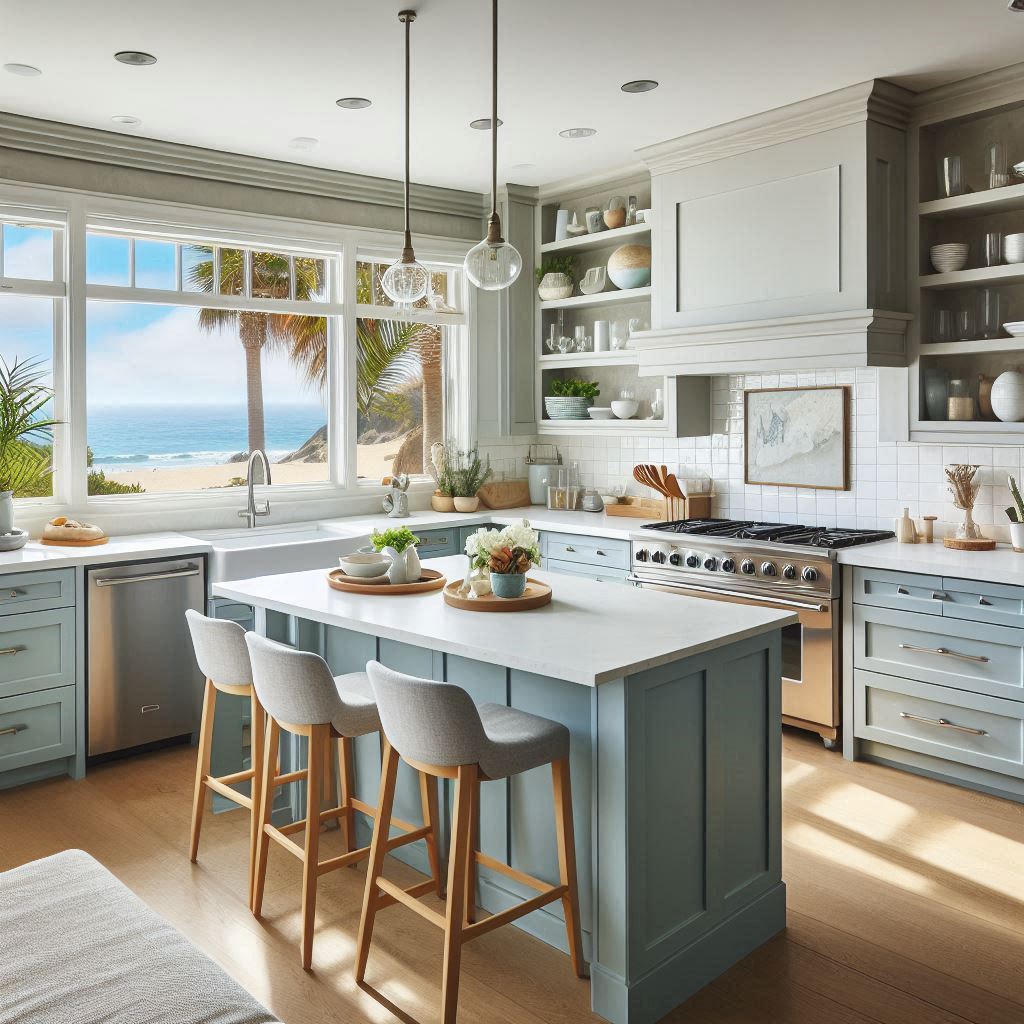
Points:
[[577, 133], [353, 102], [483, 124], [130, 119], [135, 58], [1016, 5], [304, 142], [640, 85], [25, 70]]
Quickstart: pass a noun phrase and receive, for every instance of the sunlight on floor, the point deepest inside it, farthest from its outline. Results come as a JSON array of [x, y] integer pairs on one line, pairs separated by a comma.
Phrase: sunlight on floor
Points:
[[877, 816]]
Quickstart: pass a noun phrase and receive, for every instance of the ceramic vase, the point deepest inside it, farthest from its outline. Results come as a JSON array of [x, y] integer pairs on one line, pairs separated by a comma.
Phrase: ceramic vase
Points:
[[630, 266], [413, 568], [554, 286], [1017, 536], [1008, 396], [936, 393], [508, 584], [442, 503], [405, 565], [6, 511], [467, 504]]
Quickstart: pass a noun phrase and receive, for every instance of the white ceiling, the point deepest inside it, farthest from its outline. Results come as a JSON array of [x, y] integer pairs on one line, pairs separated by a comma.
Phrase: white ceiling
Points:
[[249, 75]]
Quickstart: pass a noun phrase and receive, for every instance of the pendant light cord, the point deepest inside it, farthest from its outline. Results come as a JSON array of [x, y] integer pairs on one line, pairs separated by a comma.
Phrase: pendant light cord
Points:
[[407, 256], [494, 106]]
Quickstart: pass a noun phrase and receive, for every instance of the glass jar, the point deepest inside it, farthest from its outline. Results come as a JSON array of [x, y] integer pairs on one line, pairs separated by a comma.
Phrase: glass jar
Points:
[[961, 400]]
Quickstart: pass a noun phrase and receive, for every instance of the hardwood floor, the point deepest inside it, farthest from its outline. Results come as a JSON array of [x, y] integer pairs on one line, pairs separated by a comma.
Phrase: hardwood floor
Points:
[[906, 906]]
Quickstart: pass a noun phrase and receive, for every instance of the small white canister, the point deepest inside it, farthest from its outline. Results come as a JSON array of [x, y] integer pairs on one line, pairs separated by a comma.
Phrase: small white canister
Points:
[[600, 335], [1017, 536]]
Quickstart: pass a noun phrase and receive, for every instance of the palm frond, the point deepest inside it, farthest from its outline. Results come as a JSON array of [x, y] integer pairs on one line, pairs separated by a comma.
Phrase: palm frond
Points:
[[387, 357]]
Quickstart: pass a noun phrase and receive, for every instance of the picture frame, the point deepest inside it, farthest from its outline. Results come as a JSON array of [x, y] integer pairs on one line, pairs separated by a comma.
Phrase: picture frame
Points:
[[816, 452]]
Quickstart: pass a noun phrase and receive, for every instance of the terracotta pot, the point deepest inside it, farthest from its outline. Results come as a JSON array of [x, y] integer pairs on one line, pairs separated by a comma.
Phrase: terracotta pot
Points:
[[442, 503], [467, 504]]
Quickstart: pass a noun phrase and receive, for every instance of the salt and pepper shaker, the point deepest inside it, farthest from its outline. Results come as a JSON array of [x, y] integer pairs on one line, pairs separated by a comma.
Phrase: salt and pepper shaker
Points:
[[906, 531], [929, 528]]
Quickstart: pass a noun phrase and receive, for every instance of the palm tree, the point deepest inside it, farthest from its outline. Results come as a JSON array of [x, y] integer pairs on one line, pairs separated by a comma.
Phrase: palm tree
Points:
[[304, 337]]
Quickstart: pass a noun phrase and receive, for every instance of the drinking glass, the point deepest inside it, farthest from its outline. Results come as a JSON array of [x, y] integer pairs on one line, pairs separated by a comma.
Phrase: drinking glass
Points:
[[993, 248], [943, 328], [990, 312], [620, 334], [564, 345], [998, 173], [552, 342], [965, 325], [951, 178], [580, 339]]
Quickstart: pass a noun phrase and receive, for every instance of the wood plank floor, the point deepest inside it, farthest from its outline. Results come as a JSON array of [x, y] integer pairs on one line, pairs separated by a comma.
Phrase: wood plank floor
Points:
[[906, 906]]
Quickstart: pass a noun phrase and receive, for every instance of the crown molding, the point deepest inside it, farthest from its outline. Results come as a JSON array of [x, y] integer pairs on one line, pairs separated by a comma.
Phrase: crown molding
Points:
[[876, 100], [76, 142], [979, 92], [607, 179]]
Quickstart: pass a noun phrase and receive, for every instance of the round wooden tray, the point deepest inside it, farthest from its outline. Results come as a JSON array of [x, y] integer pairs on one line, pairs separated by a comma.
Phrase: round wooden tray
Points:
[[968, 544], [429, 580], [535, 595], [73, 543]]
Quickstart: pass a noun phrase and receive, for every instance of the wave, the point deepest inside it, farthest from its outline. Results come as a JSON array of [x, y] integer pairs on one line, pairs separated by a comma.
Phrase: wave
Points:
[[205, 457]]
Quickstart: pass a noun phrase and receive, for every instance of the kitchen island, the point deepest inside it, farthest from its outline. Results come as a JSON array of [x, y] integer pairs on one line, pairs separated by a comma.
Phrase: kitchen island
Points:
[[673, 705]]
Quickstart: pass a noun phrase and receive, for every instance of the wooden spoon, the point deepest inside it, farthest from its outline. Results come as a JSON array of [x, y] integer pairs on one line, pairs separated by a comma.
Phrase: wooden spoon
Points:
[[675, 492], [648, 476]]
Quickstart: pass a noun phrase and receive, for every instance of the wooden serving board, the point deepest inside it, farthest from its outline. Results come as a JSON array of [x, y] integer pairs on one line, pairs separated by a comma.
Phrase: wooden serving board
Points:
[[535, 595], [505, 494], [73, 543], [638, 508], [430, 579], [969, 544]]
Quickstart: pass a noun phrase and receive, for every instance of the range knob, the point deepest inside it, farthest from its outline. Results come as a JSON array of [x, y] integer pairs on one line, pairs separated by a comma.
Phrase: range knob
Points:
[[747, 567], [789, 571], [810, 574], [710, 563], [675, 558], [692, 561], [659, 557], [728, 565], [641, 554], [768, 569]]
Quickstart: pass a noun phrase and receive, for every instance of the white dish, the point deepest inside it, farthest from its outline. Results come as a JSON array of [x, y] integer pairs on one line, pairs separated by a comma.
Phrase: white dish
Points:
[[600, 412], [609, 499], [364, 566], [1015, 329], [625, 409]]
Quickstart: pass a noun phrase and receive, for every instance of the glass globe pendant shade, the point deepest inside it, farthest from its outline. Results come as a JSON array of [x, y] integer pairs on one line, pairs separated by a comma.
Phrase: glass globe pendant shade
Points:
[[492, 266], [405, 283]]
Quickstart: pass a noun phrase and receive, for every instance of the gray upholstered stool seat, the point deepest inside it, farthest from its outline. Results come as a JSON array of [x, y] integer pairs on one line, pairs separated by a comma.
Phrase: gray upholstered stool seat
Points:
[[518, 741], [361, 717]]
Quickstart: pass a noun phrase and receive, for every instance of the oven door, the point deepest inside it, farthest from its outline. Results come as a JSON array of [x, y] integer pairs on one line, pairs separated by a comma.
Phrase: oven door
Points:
[[810, 648]]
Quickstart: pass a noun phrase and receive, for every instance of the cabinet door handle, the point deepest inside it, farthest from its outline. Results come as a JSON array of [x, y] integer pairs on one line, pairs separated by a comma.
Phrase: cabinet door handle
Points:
[[10, 650], [902, 591], [13, 730], [16, 593], [984, 601], [946, 653], [569, 547], [943, 723], [940, 595], [601, 553]]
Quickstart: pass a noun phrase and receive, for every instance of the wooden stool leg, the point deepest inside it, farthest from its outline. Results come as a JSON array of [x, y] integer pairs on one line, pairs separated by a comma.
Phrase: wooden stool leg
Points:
[[474, 843], [567, 862], [378, 848], [266, 807], [318, 741], [457, 865], [428, 798], [257, 739], [348, 820], [202, 767]]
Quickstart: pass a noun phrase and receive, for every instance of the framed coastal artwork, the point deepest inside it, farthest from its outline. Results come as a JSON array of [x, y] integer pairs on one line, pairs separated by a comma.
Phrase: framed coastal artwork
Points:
[[797, 437]]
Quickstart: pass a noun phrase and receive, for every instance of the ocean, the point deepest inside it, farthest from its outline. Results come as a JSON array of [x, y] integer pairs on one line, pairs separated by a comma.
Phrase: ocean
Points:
[[166, 436]]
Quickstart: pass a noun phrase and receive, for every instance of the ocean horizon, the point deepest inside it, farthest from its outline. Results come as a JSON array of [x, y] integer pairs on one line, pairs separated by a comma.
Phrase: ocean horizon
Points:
[[182, 435]]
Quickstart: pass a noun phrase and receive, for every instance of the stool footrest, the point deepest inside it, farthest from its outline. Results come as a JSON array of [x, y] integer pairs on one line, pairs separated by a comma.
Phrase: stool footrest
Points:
[[281, 837], [231, 780], [472, 931], [219, 786], [510, 872], [410, 898], [283, 780]]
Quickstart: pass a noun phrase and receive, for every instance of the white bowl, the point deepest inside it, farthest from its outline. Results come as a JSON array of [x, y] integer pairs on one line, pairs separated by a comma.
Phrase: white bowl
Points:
[[600, 412], [1015, 330], [624, 409], [1013, 248], [364, 565]]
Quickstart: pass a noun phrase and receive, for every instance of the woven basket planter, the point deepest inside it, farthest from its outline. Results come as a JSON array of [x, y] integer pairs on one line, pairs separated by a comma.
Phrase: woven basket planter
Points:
[[567, 408]]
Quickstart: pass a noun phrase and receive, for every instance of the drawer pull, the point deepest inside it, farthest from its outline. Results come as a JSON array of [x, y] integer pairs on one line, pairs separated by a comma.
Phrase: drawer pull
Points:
[[946, 653], [940, 595], [569, 547], [984, 600], [601, 553], [16, 593], [146, 708], [10, 650], [13, 730], [902, 591], [944, 723]]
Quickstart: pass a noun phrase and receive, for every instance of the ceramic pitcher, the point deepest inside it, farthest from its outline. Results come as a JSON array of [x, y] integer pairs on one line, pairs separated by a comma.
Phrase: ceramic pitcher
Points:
[[405, 565]]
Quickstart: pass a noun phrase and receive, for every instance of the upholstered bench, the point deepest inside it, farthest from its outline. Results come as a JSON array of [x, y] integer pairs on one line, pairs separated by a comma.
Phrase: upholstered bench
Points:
[[80, 948]]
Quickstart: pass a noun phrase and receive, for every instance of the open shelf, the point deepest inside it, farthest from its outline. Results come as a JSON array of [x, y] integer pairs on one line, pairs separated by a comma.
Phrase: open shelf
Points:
[[977, 347], [993, 200], [620, 357], [582, 242], [1006, 274], [613, 426], [608, 298]]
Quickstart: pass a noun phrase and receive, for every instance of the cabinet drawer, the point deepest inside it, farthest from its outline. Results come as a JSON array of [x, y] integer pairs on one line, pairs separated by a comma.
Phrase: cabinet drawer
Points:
[[434, 543], [36, 591], [590, 572], [37, 727], [613, 554], [962, 655], [37, 651], [900, 590], [981, 731], [983, 602]]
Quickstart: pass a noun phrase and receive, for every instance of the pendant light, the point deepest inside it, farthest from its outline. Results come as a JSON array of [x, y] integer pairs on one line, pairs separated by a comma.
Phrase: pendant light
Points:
[[406, 281], [493, 264]]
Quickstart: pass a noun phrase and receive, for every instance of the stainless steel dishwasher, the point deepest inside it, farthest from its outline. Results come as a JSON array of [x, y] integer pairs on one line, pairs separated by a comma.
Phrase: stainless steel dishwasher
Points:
[[144, 685]]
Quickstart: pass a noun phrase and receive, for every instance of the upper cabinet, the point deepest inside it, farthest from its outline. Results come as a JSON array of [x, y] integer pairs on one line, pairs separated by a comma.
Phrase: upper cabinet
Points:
[[779, 241]]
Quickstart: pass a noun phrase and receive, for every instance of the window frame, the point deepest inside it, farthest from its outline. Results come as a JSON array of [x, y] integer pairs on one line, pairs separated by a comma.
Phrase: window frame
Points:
[[81, 211]]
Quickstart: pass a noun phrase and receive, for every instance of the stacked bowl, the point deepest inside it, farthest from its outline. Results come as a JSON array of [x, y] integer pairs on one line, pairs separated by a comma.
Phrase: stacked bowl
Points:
[[950, 257], [1013, 248]]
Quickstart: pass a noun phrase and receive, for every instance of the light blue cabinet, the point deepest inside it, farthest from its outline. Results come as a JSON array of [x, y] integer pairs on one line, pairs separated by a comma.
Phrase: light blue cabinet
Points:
[[435, 543], [595, 558]]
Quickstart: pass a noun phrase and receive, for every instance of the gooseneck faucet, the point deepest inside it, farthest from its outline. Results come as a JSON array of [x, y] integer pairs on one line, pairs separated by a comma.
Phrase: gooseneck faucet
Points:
[[253, 508]]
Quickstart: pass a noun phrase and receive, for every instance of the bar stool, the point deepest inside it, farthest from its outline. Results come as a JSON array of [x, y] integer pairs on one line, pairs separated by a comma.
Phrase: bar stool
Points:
[[437, 729], [223, 658], [303, 698]]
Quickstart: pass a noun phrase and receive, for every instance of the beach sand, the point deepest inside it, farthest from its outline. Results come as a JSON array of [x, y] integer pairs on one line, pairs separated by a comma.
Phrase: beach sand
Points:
[[373, 461]]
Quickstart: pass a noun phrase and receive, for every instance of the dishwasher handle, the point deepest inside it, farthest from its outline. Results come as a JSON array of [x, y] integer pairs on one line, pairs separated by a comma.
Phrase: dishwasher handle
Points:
[[116, 581]]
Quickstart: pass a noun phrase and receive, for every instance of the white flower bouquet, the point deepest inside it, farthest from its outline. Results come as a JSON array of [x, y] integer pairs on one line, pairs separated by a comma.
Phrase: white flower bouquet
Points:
[[511, 550]]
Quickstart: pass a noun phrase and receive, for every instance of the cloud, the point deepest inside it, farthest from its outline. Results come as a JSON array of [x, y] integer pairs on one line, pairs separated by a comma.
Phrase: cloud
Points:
[[32, 258]]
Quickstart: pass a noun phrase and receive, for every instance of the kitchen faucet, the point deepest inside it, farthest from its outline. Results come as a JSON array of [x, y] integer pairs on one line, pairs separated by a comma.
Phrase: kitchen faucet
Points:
[[252, 508]]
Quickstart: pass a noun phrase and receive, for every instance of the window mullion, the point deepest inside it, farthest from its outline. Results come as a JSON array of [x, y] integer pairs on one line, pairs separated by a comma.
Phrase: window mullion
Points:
[[74, 471]]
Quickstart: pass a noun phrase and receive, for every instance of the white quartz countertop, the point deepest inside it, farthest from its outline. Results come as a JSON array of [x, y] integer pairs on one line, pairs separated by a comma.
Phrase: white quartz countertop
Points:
[[118, 549], [590, 633], [1004, 565]]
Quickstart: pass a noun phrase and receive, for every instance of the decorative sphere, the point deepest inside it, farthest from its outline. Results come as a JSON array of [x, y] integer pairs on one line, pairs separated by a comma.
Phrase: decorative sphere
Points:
[[405, 283], [630, 266], [493, 266], [1008, 396]]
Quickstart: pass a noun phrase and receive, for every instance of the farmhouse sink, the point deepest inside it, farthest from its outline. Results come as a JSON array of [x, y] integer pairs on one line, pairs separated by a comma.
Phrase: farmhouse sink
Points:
[[268, 550]]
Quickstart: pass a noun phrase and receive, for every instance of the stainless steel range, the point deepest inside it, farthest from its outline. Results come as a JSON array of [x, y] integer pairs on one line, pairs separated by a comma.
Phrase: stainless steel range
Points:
[[774, 565]]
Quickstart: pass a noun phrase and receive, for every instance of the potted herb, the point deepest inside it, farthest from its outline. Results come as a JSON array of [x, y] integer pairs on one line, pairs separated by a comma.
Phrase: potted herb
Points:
[[468, 474], [506, 556], [555, 277], [571, 398], [1015, 513], [442, 500], [399, 544], [25, 449]]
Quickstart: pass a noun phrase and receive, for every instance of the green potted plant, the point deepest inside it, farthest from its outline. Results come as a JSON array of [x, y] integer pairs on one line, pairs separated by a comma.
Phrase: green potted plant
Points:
[[440, 469], [506, 555], [570, 398], [399, 544], [1015, 513], [468, 474], [555, 277], [25, 449]]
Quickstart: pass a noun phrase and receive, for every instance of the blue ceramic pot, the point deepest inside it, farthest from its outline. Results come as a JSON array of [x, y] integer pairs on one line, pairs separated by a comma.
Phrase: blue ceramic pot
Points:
[[508, 584]]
